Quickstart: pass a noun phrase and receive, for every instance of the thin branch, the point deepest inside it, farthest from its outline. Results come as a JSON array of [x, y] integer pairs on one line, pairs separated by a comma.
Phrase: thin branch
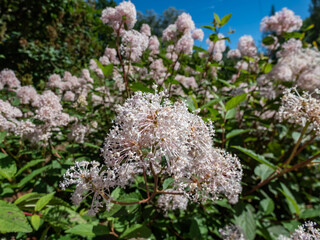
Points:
[[286, 163], [281, 173]]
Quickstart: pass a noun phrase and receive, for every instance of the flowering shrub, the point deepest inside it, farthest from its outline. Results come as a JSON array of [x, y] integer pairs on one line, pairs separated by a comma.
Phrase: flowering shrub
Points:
[[162, 139]]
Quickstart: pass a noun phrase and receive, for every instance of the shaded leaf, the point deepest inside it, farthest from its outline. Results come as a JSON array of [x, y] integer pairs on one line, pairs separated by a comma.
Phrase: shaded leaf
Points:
[[235, 101]]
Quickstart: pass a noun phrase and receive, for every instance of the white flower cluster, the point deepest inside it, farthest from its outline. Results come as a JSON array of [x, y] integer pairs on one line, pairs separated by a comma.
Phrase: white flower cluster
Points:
[[162, 138], [89, 179], [169, 202], [231, 232], [307, 231], [300, 109], [282, 21]]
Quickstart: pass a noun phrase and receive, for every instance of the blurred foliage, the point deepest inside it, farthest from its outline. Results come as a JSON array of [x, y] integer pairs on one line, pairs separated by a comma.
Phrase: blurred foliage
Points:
[[313, 35], [42, 37]]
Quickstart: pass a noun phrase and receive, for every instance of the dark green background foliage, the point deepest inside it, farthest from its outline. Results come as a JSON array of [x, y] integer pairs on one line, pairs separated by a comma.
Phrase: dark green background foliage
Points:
[[42, 37]]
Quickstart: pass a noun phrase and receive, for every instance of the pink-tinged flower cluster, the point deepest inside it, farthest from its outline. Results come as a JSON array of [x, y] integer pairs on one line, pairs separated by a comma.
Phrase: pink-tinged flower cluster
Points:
[[216, 49], [8, 116], [78, 133], [298, 65], [198, 34], [183, 28], [27, 95], [133, 45], [187, 82], [282, 21], [123, 14], [154, 45], [292, 45], [111, 54], [145, 29], [8, 79], [185, 44], [170, 33], [70, 82], [185, 23], [158, 71], [234, 53], [247, 47]]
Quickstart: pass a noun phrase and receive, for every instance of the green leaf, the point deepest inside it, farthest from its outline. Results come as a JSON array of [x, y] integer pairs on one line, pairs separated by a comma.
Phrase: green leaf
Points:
[[209, 27], [231, 113], [91, 145], [247, 222], [225, 19], [89, 230], [198, 228], [196, 48], [235, 101], [8, 166], [237, 132], [210, 103], [277, 230], [310, 212], [136, 231], [225, 82], [255, 156], [288, 35], [216, 18], [29, 165], [35, 221], [25, 197], [191, 104], [12, 219], [107, 70], [263, 171], [62, 217], [138, 86], [308, 28], [214, 37], [268, 40], [43, 201], [268, 68], [30, 176], [267, 205], [292, 203], [3, 134], [167, 183]]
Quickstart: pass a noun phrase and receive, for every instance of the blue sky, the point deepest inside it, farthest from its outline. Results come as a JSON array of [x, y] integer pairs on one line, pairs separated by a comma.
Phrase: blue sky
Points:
[[246, 14]]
